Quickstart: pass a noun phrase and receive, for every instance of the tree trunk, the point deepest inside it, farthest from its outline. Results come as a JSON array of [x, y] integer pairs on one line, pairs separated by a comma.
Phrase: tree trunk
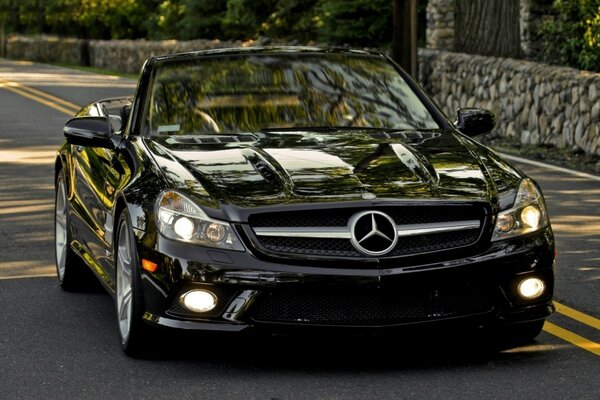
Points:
[[404, 41], [2, 38], [488, 27]]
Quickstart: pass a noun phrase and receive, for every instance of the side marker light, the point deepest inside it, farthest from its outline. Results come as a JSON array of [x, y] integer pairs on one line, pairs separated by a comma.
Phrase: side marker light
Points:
[[149, 266]]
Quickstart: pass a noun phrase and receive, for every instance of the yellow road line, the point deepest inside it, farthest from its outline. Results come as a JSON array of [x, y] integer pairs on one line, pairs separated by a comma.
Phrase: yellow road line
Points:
[[577, 315], [40, 97], [572, 338], [40, 93]]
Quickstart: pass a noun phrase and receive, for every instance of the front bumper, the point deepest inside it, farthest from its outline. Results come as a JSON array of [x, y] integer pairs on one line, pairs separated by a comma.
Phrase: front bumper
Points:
[[475, 289]]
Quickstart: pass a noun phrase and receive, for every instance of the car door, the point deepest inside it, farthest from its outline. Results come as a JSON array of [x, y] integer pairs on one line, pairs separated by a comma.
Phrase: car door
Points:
[[97, 173]]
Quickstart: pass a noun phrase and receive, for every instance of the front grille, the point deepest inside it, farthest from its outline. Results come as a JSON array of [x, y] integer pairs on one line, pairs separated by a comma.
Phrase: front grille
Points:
[[343, 247], [372, 308], [335, 247], [339, 217], [303, 246]]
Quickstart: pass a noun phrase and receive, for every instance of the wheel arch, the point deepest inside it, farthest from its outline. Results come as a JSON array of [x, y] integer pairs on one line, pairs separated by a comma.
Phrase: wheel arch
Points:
[[59, 164], [120, 205], [138, 216]]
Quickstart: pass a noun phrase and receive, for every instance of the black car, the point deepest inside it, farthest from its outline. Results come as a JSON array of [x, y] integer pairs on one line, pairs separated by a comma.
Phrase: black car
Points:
[[297, 188]]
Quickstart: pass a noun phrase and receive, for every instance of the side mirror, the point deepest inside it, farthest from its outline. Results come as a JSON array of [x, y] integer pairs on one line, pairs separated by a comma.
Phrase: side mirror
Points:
[[89, 132], [475, 121]]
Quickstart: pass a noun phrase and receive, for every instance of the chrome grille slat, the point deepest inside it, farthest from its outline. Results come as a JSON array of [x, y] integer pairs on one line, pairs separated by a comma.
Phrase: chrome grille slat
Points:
[[305, 232], [344, 233]]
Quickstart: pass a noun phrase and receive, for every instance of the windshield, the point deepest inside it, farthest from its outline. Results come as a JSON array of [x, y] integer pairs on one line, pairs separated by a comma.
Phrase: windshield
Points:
[[250, 93]]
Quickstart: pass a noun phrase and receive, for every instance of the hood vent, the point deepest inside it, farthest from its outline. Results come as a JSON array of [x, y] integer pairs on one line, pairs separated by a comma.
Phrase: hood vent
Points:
[[211, 139]]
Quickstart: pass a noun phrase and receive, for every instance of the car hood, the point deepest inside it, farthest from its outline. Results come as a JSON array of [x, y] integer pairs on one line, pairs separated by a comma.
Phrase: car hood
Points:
[[254, 170]]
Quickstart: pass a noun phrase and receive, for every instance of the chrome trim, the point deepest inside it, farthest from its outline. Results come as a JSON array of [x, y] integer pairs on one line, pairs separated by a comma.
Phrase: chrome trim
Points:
[[344, 232], [424, 229], [341, 232], [239, 305]]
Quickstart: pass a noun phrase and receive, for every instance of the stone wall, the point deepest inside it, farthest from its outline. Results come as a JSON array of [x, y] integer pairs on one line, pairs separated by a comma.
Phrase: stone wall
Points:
[[534, 103], [440, 24], [46, 49], [125, 56]]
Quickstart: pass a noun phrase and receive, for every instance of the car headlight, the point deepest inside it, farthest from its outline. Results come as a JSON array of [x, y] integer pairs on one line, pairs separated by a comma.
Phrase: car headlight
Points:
[[179, 218], [527, 215]]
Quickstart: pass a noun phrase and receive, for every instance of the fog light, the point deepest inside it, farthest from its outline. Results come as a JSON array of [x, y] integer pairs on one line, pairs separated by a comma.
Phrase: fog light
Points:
[[531, 288], [199, 300]]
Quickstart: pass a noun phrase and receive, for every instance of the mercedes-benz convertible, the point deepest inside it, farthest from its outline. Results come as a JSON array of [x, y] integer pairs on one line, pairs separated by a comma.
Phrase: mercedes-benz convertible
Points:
[[297, 188]]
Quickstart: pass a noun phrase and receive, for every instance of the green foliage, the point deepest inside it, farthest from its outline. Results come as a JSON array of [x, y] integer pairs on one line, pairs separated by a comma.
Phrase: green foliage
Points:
[[573, 36], [243, 19], [293, 19], [60, 16], [8, 14], [356, 22], [30, 14], [96, 19], [115, 19], [201, 19], [164, 21]]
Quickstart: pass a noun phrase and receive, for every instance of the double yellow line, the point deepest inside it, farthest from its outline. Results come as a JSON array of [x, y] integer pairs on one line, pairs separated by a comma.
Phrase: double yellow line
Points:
[[44, 98], [571, 337], [69, 108]]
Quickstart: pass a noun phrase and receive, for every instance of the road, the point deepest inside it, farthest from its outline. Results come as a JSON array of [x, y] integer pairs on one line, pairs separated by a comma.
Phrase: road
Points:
[[57, 345]]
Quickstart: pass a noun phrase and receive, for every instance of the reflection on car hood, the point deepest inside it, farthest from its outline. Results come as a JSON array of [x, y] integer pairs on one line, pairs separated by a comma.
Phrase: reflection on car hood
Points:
[[310, 166]]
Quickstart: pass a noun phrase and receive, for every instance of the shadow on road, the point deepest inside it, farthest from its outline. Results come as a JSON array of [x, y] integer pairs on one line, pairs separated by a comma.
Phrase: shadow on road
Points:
[[26, 210], [87, 323], [341, 353]]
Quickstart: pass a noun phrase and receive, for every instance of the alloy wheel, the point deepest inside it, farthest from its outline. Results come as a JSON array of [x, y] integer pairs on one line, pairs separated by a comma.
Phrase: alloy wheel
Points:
[[60, 228], [125, 257]]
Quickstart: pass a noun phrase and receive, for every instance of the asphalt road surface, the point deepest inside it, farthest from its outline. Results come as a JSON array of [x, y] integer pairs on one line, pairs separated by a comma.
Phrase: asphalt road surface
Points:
[[57, 345]]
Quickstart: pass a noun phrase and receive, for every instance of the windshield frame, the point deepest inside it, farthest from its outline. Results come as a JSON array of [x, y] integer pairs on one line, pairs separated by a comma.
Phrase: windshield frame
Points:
[[155, 63]]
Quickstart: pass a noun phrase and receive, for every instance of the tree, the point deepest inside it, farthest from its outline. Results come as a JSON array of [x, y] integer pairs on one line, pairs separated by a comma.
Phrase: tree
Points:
[[294, 19], [572, 37], [356, 22], [8, 13], [488, 27], [31, 15], [404, 44], [201, 19], [243, 19], [61, 17]]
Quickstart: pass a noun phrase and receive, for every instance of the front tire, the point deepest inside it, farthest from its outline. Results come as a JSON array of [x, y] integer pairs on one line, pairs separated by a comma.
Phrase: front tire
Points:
[[133, 332]]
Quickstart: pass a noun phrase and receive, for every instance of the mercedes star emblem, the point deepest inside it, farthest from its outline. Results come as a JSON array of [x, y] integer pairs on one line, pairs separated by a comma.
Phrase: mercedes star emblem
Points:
[[373, 233]]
